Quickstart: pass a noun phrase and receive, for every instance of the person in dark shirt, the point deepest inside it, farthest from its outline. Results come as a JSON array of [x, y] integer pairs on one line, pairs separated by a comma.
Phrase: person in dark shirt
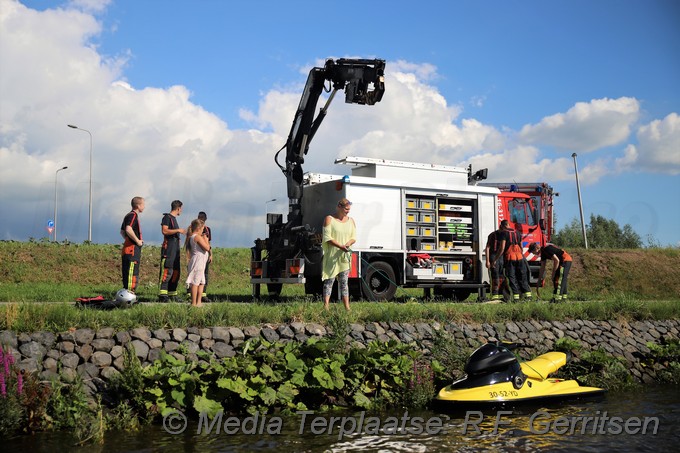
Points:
[[515, 267], [131, 253], [561, 264], [170, 253], [492, 250]]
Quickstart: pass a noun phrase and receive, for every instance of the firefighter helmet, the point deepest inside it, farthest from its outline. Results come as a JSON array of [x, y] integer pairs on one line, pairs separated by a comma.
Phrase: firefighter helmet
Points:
[[123, 296]]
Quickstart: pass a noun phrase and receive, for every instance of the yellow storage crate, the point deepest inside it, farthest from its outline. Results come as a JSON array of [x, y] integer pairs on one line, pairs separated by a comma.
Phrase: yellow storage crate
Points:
[[412, 203], [426, 203], [427, 245], [439, 268], [411, 216], [426, 217], [412, 230], [427, 231]]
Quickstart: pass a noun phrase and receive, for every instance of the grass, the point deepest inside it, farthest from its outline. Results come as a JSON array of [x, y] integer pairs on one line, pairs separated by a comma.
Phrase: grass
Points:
[[40, 280]]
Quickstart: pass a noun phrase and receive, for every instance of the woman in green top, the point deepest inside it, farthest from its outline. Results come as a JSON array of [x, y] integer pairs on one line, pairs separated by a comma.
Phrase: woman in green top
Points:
[[339, 233]]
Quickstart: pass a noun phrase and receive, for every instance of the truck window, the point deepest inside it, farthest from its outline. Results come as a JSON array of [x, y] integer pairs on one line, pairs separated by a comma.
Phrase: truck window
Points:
[[521, 212]]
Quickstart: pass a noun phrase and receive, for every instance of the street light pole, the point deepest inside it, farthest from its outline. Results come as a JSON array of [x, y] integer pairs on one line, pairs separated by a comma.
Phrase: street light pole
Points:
[[55, 201], [89, 228], [580, 205]]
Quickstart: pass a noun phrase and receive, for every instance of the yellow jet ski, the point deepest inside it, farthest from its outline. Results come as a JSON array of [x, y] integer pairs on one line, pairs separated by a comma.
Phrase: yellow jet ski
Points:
[[494, 377]]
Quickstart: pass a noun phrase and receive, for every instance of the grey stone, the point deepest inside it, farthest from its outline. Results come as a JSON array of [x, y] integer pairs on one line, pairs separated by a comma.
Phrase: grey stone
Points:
[[161, 334], [383, 338], [395, 326], [315, 329], [116, 351], [32, 350], [221, 334], [207, 344], [179, 334], [140, 333], [8, 338], [170, 346], [154, 354], [101, 359], [269, 334], [375, 328], [251, 331], [30, 364], [408, 328], [358, 336], [46, 339], [109, 372], [123, 338], [297, 327], [194, 337], [105, 333], [83, 336], [85, 351], [119, 363], [286, 332], [53, 353], [48, 375], [103, 344], [368, 335], [512, 327], [155, 343], [193, 330], [141, 349], [356, 327], [236, 334], [190, 346], [70, 360], [88, 370], [50, 364], [68, 375], [301, 337], [223, 350], [205, 333]]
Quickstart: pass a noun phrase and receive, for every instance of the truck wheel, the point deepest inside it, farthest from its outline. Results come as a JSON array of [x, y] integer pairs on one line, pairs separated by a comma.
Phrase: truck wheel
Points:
[[379, 282], [274, 289]]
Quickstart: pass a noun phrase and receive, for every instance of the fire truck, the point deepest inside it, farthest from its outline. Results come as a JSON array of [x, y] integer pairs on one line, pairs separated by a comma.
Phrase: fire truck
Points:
[[419, 225]]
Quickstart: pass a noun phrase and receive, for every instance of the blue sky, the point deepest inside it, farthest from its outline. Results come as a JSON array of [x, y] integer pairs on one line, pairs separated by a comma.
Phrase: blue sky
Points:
[[191, 99]]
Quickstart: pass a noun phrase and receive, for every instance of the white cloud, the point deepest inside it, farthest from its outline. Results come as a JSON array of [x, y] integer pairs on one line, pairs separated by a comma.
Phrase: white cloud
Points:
[[157, 143], [587, 126]]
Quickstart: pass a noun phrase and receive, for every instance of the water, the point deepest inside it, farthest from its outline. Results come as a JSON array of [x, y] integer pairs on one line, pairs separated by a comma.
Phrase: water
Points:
[[557, 428]]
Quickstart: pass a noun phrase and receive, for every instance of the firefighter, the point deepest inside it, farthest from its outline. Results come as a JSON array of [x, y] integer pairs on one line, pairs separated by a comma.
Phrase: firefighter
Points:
[[492, 250], [561, 265], [131, 231], [515, 267], [170, 253]]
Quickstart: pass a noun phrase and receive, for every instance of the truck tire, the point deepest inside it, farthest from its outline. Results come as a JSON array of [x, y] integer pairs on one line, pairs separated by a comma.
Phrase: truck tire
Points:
[[379, 282], [274, 289]]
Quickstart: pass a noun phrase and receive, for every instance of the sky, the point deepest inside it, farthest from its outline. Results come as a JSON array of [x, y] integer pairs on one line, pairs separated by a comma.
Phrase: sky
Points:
[[190, 100]]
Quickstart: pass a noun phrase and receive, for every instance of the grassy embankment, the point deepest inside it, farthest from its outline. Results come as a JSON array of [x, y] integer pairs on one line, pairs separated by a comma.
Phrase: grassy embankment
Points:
[[604, 284]]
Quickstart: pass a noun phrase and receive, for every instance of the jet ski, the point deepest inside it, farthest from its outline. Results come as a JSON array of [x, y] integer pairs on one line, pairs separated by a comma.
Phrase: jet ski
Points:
[[496, 378]]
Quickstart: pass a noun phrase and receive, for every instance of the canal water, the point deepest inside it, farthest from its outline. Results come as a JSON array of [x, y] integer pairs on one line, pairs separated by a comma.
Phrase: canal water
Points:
[[640, 420]]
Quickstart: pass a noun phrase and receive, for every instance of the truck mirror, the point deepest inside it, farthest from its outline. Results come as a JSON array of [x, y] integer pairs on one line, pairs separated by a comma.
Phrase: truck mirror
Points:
[[541, 222]]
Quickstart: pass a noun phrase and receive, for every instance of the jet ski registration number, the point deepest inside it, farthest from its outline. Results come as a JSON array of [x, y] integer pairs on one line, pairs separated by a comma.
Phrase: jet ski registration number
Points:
[[503, 394]]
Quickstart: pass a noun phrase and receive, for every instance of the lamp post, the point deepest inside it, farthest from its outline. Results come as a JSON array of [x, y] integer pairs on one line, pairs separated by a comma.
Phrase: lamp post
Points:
[[89, 228], [265, 212], [580, 205], [55, 201]]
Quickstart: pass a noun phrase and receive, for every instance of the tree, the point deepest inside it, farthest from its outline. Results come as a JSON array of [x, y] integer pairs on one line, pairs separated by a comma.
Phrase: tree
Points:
[[601, 233]]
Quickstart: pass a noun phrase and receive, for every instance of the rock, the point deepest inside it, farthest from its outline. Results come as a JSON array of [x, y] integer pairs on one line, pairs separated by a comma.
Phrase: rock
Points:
[[83, 336], [375, 328], [46, 339], [221, 334], [269, 334], [116, 351], [109, 373], [155, 343], [140, 333], [285, 332], [105, 333], [154, 354], [85, 351], [123, 338], [161, 334], [141, 349], [8, 338], [315, 329], [179, 335], [103, 344], [207, 344], [223, 350], [101, 359], [205, 333], [194, 337], [88, 370], [236, 334], [69, 360], [170, 346], [32, 350]]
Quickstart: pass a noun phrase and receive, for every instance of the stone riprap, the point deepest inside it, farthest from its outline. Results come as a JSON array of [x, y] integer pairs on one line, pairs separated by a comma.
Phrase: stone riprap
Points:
[[98, 354]]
